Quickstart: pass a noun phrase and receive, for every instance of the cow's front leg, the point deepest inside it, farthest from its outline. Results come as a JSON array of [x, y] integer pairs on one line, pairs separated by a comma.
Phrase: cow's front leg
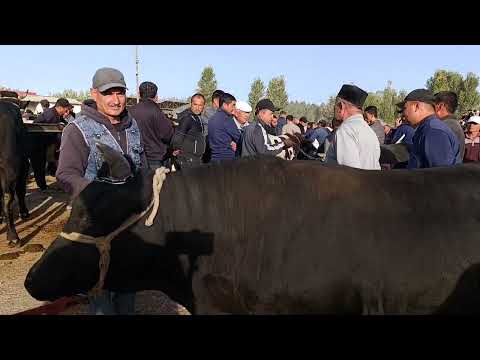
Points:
[[12, 236]]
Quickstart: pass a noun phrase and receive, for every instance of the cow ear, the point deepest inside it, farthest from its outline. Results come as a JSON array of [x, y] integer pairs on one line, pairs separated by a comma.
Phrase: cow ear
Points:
[[115, 166]]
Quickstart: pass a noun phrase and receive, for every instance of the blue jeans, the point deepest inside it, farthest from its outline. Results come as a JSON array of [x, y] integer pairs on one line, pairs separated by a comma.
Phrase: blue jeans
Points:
[[113, 303]]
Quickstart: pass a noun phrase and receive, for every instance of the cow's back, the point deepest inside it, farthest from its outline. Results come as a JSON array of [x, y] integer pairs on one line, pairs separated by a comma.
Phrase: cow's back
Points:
[[301, 236]]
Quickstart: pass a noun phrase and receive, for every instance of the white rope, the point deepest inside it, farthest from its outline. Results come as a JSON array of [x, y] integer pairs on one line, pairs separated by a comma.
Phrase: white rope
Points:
[[158, 179]]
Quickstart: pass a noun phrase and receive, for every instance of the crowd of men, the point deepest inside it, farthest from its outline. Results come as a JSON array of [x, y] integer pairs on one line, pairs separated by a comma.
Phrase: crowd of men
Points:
[[221, 131]]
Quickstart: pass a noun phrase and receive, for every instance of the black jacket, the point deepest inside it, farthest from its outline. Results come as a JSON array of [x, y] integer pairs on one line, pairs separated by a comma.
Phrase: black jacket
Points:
[[156, 130], [49, 116], [189, 134]]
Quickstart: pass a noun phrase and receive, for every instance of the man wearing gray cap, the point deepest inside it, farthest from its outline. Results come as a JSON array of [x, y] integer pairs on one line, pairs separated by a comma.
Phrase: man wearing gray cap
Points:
[[109, 123], [355, 143]]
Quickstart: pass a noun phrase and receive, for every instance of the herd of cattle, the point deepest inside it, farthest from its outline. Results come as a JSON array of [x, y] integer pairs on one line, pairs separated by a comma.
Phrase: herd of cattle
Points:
[[263, 235]]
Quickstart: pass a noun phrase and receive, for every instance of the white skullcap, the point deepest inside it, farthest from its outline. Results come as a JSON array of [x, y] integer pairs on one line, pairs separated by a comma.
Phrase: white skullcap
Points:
[[243, 106]]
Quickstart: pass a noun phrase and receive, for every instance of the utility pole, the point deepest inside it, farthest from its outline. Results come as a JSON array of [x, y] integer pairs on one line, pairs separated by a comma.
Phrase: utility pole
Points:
[[136, 64]]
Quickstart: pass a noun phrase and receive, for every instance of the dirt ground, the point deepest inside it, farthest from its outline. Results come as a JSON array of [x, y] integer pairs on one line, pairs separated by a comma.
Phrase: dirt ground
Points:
[[48, 214]]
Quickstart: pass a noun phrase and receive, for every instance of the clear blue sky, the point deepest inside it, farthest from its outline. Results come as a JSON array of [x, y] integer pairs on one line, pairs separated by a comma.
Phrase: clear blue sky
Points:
[[312, 73]]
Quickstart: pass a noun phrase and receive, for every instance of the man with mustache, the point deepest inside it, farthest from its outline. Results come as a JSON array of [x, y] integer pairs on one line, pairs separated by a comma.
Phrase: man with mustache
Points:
[[80, 159]]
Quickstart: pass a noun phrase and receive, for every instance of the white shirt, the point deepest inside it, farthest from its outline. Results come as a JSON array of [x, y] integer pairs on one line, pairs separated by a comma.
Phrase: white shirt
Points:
[[240, 126], [355, 145], [290, 128]]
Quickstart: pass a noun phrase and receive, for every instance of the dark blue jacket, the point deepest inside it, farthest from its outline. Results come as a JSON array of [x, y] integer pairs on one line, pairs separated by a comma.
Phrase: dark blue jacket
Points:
[[434, 144], [222, 130], [404, 129], [281, 123], [320, 134]]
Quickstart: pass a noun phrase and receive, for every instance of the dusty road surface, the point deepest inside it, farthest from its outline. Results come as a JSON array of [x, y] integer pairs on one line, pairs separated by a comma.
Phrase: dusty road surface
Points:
[[48, 214]]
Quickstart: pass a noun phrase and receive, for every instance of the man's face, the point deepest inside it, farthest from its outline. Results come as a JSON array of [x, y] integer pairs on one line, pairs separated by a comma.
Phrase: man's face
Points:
[[229, 107], [197, 105], [296, 121], [473, 130], [274, 122], [266, 116], [369, 117], [411, 112], [61, 110], [441, 110], [338, 110], [241, 116], [66, 113], [111, 102]]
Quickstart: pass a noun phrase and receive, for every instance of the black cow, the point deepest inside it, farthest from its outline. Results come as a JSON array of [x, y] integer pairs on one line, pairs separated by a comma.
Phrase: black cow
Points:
[[12, 165], [223, 244]]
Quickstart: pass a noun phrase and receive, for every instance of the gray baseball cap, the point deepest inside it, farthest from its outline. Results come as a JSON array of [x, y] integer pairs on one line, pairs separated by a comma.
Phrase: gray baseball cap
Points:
[[107, 78]]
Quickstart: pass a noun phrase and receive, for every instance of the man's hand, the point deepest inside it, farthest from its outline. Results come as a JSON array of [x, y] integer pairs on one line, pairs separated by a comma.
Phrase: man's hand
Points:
[[398, 121], [233, 146]]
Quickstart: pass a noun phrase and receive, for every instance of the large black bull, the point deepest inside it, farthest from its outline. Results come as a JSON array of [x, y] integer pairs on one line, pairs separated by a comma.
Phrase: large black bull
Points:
[[272, 236], [12, 166]]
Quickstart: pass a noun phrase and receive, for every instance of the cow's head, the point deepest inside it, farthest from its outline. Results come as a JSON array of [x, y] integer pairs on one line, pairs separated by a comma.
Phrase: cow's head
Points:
[[68, 267]]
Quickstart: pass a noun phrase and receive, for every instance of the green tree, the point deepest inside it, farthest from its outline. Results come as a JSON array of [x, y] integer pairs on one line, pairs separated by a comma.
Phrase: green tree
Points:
[[207, 83], [469, 98], [277, 92], [72, 94], [465, 88], [443, 80], [257, 92], [326, 109]]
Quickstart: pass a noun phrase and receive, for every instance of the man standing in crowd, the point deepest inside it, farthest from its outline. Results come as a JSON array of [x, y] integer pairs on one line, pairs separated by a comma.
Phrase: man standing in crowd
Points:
[[320, 134], [112, 125], [372, 119], [272, 128], [302, 124], [211, 110], [69, 116], [354, 144], [55, 114], [290, 127], [472, 140], [434, 144], [155, 129], [206, 116], [45, 104], [256, 140], [189, 141], [240, 116], [282, 121], [223, 134], [50, 142], [446, 103]]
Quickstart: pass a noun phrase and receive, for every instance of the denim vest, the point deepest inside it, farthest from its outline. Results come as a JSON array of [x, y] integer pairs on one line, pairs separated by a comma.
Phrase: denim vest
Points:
[[94, 132]]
